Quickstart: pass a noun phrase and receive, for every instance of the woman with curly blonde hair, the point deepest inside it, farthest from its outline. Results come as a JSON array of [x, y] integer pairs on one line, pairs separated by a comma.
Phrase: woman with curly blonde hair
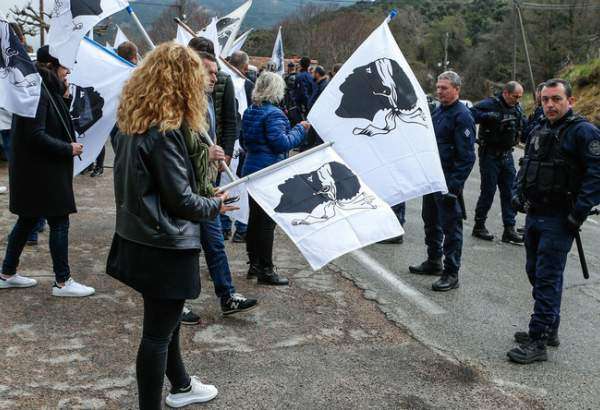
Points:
[[156, 245]]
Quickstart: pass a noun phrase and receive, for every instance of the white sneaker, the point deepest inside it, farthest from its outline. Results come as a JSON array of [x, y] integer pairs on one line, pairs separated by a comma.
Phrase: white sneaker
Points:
[[3, 189], [199, 393], [72, 289], [17, 281]]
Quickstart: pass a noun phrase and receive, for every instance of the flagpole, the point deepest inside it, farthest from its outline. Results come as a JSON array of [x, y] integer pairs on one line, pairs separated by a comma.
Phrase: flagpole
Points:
[[140, 27], [210, 142], [392, 15], [275, 167], [184, 26]]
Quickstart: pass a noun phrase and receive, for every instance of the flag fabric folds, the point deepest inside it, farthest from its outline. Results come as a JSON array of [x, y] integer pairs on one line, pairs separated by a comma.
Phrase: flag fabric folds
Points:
[[229, 26], [96, 84], [20, 82], [71, 20], [238, 44], [277, 56], [210, 32], [377, 114], [183, 36], [120, 38], [324, 207]]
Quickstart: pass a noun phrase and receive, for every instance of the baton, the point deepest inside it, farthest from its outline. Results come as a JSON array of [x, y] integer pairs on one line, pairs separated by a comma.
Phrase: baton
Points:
[[584, 267]]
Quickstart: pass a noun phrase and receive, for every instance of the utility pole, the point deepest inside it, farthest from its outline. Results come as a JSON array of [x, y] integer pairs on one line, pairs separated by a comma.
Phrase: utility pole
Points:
[[42, 30], [514, 36], [526, 50]]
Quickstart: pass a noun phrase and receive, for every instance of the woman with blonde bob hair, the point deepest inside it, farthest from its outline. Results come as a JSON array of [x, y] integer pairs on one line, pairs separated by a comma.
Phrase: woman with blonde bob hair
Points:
[[156, 245], [267, 138]]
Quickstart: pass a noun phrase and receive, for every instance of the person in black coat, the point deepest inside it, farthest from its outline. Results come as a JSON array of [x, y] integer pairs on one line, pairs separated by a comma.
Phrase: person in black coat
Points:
[[156, 245], [41, 180]]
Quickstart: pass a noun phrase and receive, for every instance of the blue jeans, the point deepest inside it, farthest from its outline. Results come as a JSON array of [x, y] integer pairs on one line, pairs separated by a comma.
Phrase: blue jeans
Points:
[[59, 245], [213, 245], [400, 211], [6, 143], [547, 244], [226, 224], [443, 231], [496, 170]]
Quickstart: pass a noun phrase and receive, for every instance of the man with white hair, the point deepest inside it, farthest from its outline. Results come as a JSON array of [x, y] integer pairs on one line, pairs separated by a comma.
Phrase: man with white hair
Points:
[[442, 213]]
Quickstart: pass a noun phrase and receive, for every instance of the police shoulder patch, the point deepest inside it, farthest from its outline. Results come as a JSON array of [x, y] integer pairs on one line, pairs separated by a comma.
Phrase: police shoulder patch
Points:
[[594, 148], [467, 133]]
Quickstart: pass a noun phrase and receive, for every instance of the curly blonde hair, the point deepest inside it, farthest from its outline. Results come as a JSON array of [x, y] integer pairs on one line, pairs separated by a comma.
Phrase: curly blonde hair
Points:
[[165, 90]]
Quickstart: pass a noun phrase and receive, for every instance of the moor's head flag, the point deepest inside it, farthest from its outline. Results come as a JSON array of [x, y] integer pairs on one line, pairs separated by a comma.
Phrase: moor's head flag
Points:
[[324, 207], [71, 20], [277, 56], [377, 114], [20, 83], [240, 190], [229, 26], [210, 32], [96, 84]]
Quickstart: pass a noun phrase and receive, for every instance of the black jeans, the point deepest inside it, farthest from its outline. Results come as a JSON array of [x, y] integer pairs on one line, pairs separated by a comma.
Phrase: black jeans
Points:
[[260, 235], [159, 352], [100, 158], [59, 245]]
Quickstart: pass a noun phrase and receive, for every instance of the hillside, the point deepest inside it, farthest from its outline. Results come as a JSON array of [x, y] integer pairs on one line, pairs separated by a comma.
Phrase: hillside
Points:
[[585, 79]]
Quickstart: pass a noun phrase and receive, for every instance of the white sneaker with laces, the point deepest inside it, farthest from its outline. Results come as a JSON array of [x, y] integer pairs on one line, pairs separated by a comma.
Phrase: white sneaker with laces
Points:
[[199, 393], [72, 289], [17, 281]]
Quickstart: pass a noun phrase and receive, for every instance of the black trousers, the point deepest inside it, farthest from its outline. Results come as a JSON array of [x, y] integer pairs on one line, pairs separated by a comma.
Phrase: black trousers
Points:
[[159, 352], [100, 159], [260, 236]]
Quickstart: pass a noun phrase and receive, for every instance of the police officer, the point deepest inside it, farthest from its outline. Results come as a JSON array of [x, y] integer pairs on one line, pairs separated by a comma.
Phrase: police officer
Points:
[[557, 186], [501, 122], [537, 115], [442, 213]]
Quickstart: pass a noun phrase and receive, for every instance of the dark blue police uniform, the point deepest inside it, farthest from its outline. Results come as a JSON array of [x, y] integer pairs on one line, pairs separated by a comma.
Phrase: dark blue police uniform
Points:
[[499, 130], [442, 214], [558, 185]]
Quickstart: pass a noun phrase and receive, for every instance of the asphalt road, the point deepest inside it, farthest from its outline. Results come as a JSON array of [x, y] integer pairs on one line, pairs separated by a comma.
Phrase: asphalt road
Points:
[[360, 333], [475, 323]]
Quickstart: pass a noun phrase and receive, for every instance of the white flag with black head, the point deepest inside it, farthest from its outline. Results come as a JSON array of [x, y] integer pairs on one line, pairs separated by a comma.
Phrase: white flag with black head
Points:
[[20, 82], [71, 20], [377, 114], [239, 191], [229, 26], [324, 207], [277, 56], [96, 84], [238, 44]]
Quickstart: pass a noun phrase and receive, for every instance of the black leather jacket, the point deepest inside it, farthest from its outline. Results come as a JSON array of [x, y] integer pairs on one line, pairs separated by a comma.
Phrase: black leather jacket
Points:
[[155, 191]]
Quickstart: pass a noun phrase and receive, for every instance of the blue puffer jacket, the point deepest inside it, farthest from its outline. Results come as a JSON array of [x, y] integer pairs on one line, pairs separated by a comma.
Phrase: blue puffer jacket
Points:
[[267, 136]]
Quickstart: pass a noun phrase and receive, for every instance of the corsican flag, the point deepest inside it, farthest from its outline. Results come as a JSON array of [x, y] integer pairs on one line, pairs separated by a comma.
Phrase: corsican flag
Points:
[[120, 38], [277, 56], [71, 19], [239, 43], [324, 207], [210, 32], [96, 84], [183, 36], [239, 84], [20, 83], [238, 190], [377, 114], [229, 26]]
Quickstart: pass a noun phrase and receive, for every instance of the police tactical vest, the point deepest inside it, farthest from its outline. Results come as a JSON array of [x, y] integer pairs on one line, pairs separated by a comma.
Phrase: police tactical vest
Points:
[[550, 176], [504, 134]]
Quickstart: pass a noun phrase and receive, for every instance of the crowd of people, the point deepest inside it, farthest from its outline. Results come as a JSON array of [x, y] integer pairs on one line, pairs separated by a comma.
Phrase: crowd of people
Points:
[[169, 158]]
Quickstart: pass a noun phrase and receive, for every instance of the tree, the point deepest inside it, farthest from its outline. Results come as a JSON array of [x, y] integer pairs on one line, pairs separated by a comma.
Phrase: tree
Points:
[[164, 28]]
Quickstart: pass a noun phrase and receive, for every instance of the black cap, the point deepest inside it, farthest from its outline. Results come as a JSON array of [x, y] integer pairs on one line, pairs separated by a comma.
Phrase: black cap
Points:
[[43, 56], [290, 64]]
